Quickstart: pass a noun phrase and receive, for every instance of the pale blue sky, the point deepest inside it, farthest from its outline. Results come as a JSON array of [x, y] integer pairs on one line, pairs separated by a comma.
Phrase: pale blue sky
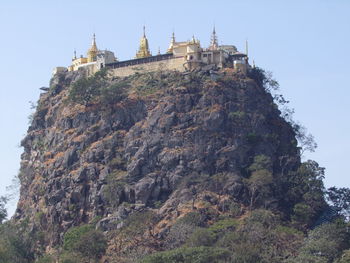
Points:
[[304, 43]]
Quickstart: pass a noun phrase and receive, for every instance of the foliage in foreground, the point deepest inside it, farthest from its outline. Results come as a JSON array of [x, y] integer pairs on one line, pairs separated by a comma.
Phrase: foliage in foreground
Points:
[[16, 244], [190, 254], [83, 242], [260, 238]]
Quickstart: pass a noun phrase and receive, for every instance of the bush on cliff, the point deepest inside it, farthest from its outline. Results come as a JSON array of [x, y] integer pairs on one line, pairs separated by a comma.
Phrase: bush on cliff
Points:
[[85, 241], [193, 254], [97, 89], [85, 90]]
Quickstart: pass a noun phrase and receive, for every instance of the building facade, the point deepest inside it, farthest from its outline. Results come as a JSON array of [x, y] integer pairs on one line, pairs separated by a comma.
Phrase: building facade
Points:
[[180, 56]]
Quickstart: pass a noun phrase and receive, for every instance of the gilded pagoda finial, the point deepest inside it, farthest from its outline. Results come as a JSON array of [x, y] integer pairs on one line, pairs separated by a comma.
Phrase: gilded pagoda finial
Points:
[[193, 39], [74, 55], [172, 43], [92, 52], [143, 51], [214, 40]]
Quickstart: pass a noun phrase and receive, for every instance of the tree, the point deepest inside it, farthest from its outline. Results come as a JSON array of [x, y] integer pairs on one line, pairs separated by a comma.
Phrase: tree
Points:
[[91, 245], [264, 79], [85, 241], [3, 211], [184, 228], [307, 189], [324, 244], [340, 199], [305, 139], [16, 244], [260, 237], [260, 180], [86, 90]]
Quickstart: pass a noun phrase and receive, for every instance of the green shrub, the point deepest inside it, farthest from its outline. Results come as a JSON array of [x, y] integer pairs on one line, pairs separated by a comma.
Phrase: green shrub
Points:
[[85, 241], [223, 225], [253, 138], [302, 214], [201, 237], [71, 257], [230, 239], [236, 115], [84, 91], [190, 255], [264, 217], [97, 89], [208, 236], [73, 235], [193, 219], [114, 188], [91, 245], [45, 259], [114, 93], [217, 181], [261, 162], [146, 90], [246, 252], [158, 204], [138, 222], [234, 209], [117, 163], [288, 230]]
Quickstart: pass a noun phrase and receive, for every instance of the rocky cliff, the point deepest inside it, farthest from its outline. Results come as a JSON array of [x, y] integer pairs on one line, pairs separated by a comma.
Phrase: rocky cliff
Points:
[[153, 147]]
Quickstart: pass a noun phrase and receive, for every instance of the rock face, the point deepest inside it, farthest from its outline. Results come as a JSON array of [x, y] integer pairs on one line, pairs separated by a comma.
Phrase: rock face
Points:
[[176, 143]]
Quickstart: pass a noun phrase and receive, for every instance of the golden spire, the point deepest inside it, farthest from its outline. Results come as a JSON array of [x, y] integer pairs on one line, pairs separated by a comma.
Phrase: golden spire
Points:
[[193, 40], [92, 52], [214, 40], [93, 45], [143, 49], [172, 43], [75, 55]]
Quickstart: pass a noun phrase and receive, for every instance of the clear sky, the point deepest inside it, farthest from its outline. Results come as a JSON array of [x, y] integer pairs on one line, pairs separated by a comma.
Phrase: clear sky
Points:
[[304, 43]]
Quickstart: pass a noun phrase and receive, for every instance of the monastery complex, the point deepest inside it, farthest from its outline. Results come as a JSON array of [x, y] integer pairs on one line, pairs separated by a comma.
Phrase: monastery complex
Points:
[[180, 56]]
